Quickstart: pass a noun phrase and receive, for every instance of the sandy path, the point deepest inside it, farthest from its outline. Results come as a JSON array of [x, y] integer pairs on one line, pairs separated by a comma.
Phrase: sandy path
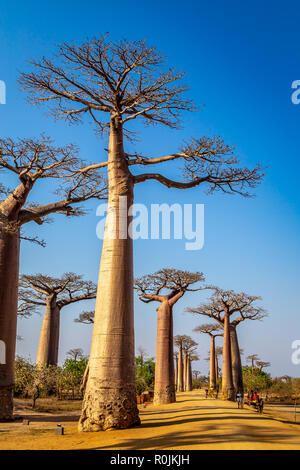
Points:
[[193, 422]]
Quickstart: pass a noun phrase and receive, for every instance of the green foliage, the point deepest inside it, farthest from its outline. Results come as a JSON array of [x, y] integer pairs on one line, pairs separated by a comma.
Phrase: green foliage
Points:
[[255, 379], [144, 374]]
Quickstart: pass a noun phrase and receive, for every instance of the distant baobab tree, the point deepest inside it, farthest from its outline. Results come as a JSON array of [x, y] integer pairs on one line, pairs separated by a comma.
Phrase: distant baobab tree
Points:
[[218, 352], [180, 341], [252, 358], [212, 330], [166, 286], [196, 374], [222, 305], [75, 354], [86, 318], [186, 348], [32, 162], [53, 293], [126, 81], [262, 364]]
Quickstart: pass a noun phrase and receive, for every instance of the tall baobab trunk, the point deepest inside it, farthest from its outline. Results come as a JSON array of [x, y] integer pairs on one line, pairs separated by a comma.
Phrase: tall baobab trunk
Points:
[[110, 396], [164, 388], [180, 370], [49, 337], [176, 373], [217, 368], [9, 277], [189, 381], [212, 369], [237, 371], [227, 383]]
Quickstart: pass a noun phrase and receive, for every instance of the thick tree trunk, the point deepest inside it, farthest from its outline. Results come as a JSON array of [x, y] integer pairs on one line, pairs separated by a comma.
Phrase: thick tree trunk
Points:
[[180, 370], [110, 396], [227, 383], [212, 369], [9, 277], [49, 337], [237, 371], [164, 388], [176, 374]]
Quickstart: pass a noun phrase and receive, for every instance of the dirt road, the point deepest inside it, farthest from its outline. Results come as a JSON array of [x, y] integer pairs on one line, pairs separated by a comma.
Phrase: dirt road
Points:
[[193, 422]]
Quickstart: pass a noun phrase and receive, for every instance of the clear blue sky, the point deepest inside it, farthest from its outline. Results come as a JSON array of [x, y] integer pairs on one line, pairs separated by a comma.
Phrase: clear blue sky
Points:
[[240, 59]]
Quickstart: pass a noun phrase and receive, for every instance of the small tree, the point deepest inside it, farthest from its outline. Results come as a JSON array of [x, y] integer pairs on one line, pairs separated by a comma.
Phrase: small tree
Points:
[[262, 364], [126, 81], [74, 370], [221, 307], [54, 293], [76, 354], [166, 286], [210, 329]]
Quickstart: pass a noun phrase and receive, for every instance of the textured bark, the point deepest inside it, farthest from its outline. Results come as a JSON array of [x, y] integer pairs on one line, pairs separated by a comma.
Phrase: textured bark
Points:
[[49, 337], [164, 388], [9, 273], [212, 369], [237, 371], [110, 396], [180, 370], [191, 375], [227, 383]]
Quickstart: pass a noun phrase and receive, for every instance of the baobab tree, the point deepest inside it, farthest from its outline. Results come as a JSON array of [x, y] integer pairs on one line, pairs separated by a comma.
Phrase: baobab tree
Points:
[[185, 345], [212, 330], [76, 353], [223, 304], [176, 369], [218, 352], [31, 162], [196, 373], [262, 364], [53, 293], [126, 81], [166, 286], [252, 358], [86, 317]]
